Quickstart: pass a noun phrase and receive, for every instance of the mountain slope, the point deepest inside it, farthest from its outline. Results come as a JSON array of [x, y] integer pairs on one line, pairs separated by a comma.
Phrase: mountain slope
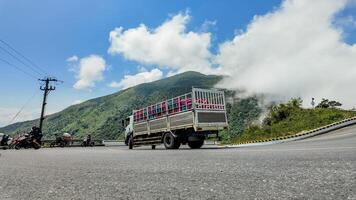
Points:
[[102, 116]]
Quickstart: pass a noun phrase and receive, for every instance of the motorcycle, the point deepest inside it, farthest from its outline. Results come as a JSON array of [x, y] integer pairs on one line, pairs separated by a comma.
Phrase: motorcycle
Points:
[[87, 142], [63, 141], [5, 140], [13, 142], [26, 141]]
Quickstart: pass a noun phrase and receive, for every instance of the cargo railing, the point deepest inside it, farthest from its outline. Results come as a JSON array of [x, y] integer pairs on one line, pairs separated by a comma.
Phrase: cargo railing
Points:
[[197, 99], [208, 99]]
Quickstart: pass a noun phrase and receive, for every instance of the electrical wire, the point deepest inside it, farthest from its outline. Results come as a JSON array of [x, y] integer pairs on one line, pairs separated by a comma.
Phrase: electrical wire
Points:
[[34, 65], [18, 68], [16, 58], [21, 109]]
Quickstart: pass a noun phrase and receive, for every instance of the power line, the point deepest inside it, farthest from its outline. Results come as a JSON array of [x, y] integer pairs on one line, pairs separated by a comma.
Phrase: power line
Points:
[[21, 109], [24, 57], [15, 57], [46, 89], [18, 68]]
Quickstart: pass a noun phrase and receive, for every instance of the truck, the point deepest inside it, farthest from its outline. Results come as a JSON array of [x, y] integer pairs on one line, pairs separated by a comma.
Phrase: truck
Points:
[[190, 119]]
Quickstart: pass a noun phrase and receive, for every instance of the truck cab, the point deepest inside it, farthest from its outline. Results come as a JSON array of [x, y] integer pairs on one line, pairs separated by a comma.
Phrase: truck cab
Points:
[[128, 124]]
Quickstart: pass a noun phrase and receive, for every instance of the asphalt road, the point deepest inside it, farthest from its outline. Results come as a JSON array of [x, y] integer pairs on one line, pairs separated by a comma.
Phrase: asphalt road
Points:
[[323, 167]]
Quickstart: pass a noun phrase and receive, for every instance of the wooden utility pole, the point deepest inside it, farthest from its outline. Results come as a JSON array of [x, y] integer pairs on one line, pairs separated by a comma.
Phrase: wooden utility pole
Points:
[[46, 88]]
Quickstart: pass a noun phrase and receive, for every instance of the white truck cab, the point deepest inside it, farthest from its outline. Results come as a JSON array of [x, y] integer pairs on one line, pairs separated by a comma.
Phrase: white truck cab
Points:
[[128, 124]]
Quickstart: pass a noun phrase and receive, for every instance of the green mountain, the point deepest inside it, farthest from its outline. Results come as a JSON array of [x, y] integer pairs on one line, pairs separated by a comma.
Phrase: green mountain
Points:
[[102, 116]]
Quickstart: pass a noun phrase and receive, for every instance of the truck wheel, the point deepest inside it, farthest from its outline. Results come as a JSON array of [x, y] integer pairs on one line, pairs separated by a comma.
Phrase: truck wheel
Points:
[[130, 142], [170, 142], [196, 144]]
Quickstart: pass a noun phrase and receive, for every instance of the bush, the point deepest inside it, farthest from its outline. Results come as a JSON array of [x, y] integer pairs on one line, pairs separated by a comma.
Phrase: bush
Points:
[[290, 118]]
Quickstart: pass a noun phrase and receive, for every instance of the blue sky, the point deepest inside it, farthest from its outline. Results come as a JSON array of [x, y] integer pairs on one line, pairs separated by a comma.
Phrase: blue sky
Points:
[[49, 32]]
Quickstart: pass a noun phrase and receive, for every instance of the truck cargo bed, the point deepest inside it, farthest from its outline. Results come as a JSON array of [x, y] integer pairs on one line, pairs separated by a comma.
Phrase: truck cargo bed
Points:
[[200, 109]]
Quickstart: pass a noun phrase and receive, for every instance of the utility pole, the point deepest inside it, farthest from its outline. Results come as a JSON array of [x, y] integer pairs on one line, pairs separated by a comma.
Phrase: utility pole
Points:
[[46, 89]]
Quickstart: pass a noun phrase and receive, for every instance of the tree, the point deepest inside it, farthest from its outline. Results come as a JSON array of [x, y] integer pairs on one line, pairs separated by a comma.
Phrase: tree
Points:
[[241, 113], [295, 102], [282, 111], [334, 104], [326, 103]]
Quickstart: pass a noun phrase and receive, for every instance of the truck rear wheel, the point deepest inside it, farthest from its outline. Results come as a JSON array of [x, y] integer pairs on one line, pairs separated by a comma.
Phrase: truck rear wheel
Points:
[[170, 142], [195, 144]]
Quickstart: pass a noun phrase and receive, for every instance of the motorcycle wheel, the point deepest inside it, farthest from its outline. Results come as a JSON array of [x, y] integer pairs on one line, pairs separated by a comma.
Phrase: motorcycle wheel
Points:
[[36, 146]]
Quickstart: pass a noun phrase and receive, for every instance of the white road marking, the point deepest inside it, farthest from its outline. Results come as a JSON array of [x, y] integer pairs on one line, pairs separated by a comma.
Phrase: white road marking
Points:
[[301, 149]]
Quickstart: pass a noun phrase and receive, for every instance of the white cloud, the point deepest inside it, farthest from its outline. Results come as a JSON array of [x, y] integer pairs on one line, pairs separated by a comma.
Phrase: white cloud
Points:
[[171, 73], [169, 45], [207, 25], [78, 101], [293, 51], [141, 77], [73, 58], [89, 71]]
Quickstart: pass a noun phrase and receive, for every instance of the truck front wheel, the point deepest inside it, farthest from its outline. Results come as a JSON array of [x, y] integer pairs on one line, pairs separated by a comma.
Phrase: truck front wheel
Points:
[[130, 142], [195, 144], [170, 142]]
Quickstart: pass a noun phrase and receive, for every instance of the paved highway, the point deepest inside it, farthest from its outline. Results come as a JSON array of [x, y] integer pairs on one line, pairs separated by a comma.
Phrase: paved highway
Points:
[[323, 167]]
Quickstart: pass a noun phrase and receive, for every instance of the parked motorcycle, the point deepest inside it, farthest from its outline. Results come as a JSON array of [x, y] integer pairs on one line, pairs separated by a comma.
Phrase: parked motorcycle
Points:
[[88, 142], [4, 140], [24, 141], [13, 142], [62, 141], [29, 140]]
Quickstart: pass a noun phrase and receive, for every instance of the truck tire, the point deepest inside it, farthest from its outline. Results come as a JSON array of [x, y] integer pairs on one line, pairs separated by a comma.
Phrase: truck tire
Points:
[[170, 142], [196, 144], [130, 142]]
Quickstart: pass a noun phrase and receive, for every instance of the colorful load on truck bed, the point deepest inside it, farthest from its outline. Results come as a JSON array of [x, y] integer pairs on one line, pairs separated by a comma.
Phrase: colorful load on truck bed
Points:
[[197, 99]]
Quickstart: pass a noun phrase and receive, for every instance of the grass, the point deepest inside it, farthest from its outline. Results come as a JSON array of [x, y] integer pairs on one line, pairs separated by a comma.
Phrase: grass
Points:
[[298, 120]]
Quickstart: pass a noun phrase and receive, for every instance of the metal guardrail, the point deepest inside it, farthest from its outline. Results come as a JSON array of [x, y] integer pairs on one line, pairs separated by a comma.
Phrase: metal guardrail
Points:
[[113, 142], [73, 143]]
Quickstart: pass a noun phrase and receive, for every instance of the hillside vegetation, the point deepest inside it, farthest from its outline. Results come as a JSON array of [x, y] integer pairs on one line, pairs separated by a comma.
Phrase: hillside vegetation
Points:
[[290, 118]]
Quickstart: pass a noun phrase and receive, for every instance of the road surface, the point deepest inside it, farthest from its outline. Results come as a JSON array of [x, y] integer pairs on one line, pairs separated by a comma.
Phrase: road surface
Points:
[[323, 167]]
